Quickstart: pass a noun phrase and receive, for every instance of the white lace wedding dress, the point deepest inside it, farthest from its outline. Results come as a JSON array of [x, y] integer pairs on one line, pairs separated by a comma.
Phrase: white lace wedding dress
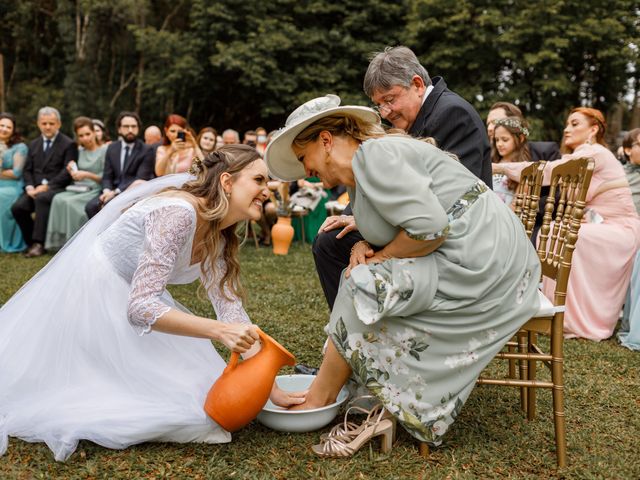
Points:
[[77, 357]]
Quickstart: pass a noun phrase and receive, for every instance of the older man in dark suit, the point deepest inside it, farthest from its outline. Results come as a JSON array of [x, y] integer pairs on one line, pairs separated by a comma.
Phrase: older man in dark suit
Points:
[[44, 175], [126, 161], [407, 98]]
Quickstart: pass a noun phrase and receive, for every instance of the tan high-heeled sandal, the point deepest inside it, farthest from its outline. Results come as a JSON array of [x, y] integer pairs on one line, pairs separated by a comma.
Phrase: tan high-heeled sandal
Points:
[[345, 446], [352, 429]]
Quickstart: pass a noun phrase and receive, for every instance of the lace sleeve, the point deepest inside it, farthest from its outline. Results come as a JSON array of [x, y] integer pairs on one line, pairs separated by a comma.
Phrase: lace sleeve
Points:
[[167, 231], [19, 157], [228, 309]]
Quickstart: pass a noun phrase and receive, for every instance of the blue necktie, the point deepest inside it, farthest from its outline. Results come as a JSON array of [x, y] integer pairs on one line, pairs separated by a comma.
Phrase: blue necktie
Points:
[[127, 151], [47, 145]]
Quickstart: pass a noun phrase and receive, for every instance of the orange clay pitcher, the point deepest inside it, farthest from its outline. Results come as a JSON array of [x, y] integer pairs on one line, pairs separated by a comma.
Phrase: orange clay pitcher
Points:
[[242, 390]]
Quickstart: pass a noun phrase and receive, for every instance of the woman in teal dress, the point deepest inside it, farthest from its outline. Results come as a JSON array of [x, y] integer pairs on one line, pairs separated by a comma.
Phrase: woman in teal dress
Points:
[[13, 154], [444, 278], [67, 209]]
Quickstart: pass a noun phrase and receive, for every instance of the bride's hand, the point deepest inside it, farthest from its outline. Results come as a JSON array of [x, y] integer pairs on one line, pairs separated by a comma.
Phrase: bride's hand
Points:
[[285, 399], [238, 337]]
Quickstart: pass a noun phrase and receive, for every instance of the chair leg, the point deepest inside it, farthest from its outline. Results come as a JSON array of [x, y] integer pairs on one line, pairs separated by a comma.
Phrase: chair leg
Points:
[[512, 362], [531, 394], [557, 367], [424, 449], [522, 348]]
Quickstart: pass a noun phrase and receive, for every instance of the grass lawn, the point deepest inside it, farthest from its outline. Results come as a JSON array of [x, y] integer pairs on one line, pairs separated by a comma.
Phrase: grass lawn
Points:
[[491, 439]]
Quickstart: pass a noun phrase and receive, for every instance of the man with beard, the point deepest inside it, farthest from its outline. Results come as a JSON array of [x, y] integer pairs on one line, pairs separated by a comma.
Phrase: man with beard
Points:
[[127, 161]]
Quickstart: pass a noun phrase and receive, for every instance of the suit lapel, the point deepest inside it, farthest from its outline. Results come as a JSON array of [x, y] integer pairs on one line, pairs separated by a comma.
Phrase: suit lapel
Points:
[[119, 159], [428, 106]]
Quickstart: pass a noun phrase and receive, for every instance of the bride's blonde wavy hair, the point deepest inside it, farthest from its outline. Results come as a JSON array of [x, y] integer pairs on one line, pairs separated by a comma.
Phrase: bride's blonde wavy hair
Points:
[[231, 159]]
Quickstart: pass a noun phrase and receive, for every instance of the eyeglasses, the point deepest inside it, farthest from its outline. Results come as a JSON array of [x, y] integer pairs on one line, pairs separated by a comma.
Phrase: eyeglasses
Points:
[[385, 107]]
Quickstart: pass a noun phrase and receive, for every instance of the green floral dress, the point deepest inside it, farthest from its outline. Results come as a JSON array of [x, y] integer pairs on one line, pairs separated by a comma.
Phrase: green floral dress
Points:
[[417, 332], [67, 208]]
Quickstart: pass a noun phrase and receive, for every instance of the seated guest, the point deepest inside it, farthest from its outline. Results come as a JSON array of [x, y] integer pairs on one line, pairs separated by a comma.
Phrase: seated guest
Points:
[[67, 209], [13, 153], [309, 193], [102, 135], [509, 144], [608, 238], [261, 140], [153, 136], [45, 174], [126, 161], [230, 137], [178, 148], [629, 333], [538, 150], [428, 297], [207, 140], [250, 138], [631, 151]]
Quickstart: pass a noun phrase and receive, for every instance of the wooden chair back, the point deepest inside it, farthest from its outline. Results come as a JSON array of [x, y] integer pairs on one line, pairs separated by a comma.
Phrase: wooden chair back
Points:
[[527, 196], [559, 231]]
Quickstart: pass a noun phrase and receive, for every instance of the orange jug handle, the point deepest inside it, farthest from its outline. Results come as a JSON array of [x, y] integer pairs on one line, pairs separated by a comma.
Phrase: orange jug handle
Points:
[[235, 356]]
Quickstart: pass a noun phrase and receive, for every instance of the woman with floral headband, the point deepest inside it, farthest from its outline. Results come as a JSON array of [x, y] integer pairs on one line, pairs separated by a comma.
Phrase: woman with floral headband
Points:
[[509, 144], [95, 348], [609, 236]]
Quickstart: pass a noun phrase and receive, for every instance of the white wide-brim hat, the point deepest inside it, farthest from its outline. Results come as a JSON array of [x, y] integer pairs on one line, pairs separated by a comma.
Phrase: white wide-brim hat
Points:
[[281, 160]]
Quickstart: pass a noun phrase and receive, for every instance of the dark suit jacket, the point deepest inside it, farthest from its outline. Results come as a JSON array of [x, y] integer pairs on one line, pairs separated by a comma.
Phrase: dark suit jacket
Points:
[[139, 165], [51, 165], [456, 127], [544, 151]]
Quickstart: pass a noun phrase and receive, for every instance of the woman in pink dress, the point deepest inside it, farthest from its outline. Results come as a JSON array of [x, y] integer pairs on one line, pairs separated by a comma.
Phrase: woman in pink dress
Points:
[[609, 236], [178, 148]]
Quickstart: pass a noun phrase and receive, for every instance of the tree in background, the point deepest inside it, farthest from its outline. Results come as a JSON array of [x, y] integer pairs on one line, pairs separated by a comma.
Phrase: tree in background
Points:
[[546, 56], [243, 64]]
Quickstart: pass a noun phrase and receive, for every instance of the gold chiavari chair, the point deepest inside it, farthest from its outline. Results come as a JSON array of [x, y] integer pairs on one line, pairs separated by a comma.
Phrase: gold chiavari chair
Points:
[[558, 236], [526, 203], [527, 197]]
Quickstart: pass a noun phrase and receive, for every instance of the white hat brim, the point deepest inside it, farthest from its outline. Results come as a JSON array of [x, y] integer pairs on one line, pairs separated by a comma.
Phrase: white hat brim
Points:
[[279, 156]]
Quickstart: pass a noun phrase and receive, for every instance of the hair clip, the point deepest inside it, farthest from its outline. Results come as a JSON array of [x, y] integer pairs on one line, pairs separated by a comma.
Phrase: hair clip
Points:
[[196, 166]]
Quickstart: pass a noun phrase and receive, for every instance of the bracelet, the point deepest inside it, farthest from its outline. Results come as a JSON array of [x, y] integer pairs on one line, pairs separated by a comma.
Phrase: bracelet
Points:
[[356, 244]]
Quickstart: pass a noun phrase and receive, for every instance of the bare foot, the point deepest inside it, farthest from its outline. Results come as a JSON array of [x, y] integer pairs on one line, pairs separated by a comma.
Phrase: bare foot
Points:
[[305, 406], [310, 404]]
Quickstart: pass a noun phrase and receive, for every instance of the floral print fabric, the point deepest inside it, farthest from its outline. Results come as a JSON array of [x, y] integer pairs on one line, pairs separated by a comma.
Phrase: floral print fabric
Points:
[[417, 332]]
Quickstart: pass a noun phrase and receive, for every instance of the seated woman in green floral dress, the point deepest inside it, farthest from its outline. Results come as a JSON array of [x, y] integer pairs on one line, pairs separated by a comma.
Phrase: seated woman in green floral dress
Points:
[[13, 154], [67, 209], [446, 274]]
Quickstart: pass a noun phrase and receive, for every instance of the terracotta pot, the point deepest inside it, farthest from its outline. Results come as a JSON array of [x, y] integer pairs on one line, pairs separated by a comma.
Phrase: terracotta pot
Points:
[[242, 390], [282, 235]]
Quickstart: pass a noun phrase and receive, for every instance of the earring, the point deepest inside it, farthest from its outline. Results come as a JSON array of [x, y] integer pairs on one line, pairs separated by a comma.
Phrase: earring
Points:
[[227, 194]]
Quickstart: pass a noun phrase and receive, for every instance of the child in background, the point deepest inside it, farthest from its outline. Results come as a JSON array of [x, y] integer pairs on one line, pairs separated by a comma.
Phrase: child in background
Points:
[[509, 145]]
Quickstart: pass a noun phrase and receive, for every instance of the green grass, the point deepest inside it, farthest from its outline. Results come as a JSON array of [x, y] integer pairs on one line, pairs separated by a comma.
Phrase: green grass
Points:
[[491, 439]]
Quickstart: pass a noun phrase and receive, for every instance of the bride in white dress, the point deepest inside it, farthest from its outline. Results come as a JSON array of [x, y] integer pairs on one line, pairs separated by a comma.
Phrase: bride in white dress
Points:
[[93, 347]]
